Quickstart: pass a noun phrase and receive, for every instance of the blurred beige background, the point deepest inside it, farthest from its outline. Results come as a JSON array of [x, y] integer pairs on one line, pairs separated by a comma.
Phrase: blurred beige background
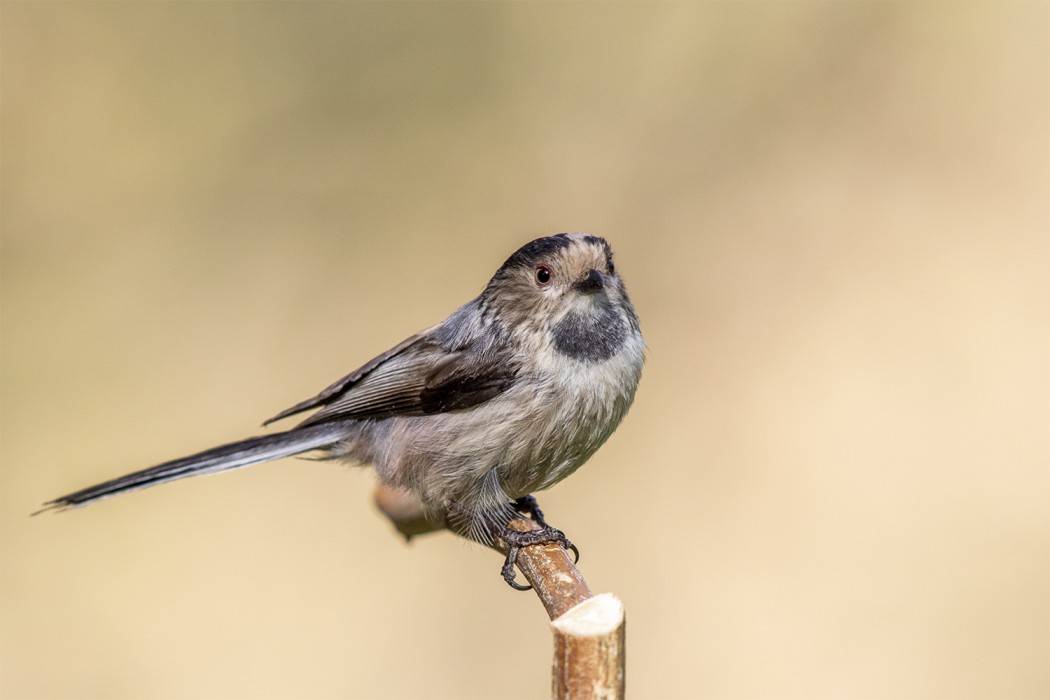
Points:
[[833, 219]]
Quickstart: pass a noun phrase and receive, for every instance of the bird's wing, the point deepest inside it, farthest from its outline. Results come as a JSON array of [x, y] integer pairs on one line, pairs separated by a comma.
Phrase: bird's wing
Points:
[[416, 377], [347, 382]]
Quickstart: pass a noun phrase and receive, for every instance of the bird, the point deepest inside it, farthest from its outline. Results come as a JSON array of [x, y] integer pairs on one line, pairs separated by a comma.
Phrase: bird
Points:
[[509, 395]]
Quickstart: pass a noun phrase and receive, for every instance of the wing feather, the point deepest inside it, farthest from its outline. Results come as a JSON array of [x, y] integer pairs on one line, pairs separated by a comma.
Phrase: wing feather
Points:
[[349, 380], [416, 377]]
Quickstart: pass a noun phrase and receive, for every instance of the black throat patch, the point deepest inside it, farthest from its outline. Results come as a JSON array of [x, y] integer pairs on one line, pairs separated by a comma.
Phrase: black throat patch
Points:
[[591, 337]]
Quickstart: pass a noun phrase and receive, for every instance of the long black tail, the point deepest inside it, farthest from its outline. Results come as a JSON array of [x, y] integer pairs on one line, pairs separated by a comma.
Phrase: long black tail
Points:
[[218, 459]]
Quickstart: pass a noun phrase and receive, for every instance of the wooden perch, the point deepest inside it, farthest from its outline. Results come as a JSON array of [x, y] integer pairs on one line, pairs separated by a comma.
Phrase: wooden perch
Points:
[[589, 651], [588, 630]]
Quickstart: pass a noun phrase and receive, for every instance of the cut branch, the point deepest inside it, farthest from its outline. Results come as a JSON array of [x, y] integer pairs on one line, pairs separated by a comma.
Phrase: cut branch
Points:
[[588, 630], [589, 651]]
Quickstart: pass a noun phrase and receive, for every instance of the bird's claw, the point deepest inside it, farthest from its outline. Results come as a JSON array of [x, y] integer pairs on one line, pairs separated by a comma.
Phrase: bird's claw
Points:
[[516, 540], [508, 570]]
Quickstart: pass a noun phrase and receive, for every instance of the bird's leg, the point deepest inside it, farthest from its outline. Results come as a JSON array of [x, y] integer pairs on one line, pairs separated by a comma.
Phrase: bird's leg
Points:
[[517, 539], [527, 505]]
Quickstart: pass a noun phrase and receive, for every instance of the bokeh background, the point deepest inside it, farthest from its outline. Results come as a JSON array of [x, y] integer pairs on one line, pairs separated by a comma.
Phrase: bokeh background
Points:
[[833, 219]]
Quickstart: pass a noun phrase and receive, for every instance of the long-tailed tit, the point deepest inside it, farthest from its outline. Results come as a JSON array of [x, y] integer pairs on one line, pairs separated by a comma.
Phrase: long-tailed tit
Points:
[[507, 396]]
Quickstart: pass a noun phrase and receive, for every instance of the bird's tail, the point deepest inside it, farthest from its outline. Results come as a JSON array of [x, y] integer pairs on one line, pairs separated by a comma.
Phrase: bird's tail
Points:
[[218, 459]]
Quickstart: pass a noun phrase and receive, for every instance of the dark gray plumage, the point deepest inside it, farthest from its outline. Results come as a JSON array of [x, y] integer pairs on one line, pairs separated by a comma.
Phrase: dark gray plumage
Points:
[[509, 395]]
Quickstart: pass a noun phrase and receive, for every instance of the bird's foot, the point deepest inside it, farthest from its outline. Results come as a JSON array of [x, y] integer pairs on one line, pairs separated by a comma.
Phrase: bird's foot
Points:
[[516, 540]]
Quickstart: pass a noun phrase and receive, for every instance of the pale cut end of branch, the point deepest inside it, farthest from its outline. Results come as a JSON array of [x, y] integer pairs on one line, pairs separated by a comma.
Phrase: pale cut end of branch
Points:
[[589, 650]]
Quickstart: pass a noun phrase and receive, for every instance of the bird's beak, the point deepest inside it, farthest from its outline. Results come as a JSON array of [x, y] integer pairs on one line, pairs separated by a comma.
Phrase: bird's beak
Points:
[[593, 282]]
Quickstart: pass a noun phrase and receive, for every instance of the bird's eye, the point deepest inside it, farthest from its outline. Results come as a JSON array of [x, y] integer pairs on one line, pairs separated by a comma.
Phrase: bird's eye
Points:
[[612, 268], [543, 274]]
